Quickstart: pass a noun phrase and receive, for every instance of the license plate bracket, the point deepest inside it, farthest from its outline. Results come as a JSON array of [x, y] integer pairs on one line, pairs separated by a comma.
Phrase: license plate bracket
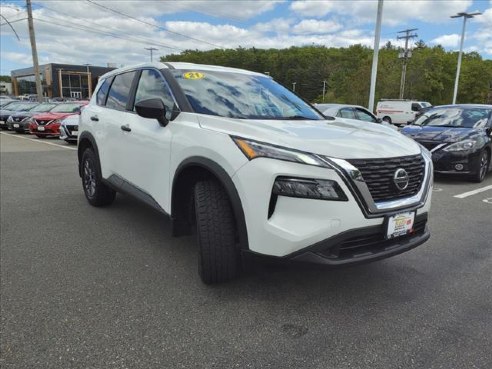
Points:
[[399, 225]]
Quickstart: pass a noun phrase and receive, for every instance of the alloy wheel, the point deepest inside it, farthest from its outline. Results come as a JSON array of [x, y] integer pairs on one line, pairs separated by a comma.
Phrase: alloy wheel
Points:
[[89, 178]]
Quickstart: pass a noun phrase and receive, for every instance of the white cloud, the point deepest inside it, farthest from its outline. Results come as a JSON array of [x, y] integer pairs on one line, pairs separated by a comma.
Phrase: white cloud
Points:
[[451, 41], [394, 12], [313, 26]]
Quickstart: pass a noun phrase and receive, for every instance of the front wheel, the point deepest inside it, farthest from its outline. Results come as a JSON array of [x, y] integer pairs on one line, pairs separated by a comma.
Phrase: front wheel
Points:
[[387, 120], [483, 167], [219, 256], [96, 192]]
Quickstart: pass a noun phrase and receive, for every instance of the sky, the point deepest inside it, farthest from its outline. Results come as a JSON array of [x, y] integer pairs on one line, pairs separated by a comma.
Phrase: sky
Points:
[[99, 32]]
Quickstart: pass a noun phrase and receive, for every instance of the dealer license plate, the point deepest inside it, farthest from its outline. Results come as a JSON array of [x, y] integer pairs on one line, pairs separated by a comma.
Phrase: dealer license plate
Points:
[[40, 128], [400, 224], [16, 125]]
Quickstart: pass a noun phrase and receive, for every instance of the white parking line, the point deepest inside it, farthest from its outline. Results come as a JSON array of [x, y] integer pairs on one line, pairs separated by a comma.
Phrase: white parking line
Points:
[[474, 192], [39, 141]]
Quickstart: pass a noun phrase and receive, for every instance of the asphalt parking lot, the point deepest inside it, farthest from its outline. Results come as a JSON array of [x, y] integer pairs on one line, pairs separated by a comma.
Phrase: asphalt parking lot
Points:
[[110, 288]]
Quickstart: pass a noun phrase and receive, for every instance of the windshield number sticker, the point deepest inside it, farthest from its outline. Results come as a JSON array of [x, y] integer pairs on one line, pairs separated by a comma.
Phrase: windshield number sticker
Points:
[[193, 75]]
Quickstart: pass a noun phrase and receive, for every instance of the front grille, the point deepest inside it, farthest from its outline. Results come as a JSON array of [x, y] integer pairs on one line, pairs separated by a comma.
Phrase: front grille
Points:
[[429, 145], [42, 122], [370, 243], [378, 175]]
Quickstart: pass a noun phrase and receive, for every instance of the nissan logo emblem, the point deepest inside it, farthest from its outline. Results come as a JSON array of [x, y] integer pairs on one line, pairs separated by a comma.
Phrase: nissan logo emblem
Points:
[[401, 179]]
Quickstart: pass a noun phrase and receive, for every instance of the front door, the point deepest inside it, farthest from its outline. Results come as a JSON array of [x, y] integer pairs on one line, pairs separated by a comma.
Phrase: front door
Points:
[[145, 145]]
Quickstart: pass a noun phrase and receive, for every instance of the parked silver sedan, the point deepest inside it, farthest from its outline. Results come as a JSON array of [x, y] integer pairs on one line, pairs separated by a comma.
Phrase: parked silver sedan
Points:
[[355, 112]]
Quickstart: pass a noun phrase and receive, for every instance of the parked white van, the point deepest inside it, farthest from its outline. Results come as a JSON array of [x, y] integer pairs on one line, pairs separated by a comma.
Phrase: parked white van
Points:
[[399, 111]]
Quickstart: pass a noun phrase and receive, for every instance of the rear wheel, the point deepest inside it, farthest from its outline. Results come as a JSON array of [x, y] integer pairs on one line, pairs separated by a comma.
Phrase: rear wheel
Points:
[[387, 119], [96, 192], [219, 256], [483, 167]]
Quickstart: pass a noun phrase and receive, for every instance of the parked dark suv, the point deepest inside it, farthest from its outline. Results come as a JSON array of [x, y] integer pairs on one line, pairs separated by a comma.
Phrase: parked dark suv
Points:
[[459, 138]]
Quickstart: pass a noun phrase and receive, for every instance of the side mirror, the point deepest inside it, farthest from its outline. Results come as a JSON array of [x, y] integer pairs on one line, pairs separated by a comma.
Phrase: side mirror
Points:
[[153, 109]]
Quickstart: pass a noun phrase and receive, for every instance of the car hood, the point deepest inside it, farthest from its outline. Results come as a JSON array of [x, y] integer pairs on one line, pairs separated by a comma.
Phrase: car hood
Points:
[[51, 116], [439, 134], [20, 115], [337, 138]]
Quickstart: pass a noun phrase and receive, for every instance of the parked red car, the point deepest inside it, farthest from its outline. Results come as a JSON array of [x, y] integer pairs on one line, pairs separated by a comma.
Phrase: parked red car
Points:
[[48, 124]]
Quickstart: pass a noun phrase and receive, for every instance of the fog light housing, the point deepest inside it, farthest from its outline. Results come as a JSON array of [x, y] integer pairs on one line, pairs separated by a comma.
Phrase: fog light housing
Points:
[[459, 167], [318, 189]]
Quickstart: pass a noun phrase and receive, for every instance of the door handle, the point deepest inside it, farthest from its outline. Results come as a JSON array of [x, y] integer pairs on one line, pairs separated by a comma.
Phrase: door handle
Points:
[[126, 128], [94, 118]]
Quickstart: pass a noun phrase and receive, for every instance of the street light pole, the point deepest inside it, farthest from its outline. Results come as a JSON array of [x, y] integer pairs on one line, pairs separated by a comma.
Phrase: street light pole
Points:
[[375, 56], [458, 68], [294, 86], [324, 90]]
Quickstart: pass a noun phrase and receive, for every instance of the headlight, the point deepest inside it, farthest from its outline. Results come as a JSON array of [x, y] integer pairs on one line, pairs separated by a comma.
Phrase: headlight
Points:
[[461, 146], [254, 149], [320, 189]]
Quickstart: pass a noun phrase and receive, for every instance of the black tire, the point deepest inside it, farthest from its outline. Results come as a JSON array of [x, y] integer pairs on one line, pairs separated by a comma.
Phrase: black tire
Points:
[[219, 256], [387, 120], [40, 136], [483, 167], [96, 192]]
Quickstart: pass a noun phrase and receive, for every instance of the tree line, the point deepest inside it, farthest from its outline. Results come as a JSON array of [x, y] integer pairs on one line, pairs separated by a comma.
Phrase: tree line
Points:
[[346, 72]]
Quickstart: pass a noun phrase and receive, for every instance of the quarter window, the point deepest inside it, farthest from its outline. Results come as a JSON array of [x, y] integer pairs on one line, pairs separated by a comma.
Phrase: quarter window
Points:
[[102, 94], [119, 93], [153, 86]]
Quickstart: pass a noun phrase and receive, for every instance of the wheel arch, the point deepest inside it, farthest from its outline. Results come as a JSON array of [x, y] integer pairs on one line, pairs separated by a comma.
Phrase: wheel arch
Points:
[[86, 140], [186, 175]]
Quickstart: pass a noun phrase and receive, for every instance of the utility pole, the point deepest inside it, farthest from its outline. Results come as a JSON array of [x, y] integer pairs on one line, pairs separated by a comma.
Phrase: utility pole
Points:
[[458, 68], [375, 56], [324, 90], [405, 55], [151, 49], [39, 88]]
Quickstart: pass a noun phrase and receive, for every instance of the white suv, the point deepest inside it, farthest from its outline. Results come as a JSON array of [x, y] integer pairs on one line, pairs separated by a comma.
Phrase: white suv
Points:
[[252, 168]]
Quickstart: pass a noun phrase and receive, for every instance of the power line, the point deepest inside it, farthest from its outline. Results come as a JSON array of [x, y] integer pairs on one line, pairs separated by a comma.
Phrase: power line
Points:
[[146, 40], [152, 25], [93, 30], [15, 21]]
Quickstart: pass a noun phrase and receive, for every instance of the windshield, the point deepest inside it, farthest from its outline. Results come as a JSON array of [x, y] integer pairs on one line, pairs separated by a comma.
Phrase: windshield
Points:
[[22, 107], [240, 95], [43, 108], [455, 117], [66, 108]]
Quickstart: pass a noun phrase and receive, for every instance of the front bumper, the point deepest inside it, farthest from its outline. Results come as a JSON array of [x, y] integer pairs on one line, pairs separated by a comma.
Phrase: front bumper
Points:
[[18, 126], [297, 225], [67, 134], [362, 245], [459, 162], [47, 130]]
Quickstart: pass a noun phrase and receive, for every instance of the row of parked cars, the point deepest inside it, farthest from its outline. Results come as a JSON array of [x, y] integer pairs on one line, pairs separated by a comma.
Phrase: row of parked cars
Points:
[[48, 119], [459, 137]]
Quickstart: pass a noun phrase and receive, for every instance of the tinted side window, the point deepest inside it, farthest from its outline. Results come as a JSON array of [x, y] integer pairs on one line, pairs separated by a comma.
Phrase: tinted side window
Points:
[[153, 86], [102, 94], [346, 113], [119, 93], [365, 116]]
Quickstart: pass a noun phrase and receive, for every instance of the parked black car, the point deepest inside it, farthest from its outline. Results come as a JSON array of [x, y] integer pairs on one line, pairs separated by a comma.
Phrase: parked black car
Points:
[[19, 121], [13, 108], [458, 136]]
